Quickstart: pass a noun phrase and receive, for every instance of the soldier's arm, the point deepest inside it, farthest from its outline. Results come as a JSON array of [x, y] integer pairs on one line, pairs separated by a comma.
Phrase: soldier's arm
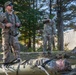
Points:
[[2, 25], [54, 27], [18, 21], [2, 18]]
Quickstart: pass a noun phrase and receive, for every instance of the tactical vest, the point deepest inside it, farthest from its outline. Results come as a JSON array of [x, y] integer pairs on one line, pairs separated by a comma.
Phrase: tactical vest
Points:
[[12, 31]]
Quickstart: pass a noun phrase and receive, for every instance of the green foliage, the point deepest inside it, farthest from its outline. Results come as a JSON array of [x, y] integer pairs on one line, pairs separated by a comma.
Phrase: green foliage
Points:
[[2, 2], [28, 17]]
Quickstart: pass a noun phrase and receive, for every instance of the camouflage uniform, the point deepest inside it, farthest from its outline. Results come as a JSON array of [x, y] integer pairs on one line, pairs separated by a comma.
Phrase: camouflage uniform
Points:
[[49, 30], [9, 37]]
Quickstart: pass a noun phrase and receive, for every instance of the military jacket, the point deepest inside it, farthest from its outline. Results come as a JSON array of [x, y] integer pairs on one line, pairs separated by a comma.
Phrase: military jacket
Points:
[[49, 27], [12, 18]]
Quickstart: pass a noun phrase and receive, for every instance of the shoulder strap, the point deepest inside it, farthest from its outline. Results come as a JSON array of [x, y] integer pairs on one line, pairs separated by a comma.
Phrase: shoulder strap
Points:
[[7, 17], [15, 18]]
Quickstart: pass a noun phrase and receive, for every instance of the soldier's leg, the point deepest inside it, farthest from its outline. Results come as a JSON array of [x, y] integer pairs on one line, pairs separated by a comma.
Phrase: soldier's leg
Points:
[[49, 43], [5, 48], [53, 42], [16, 47], [44, 44]]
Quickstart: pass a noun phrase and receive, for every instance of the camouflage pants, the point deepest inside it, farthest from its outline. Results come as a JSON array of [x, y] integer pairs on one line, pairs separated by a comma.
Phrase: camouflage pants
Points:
[[10, 43], [47, 41]]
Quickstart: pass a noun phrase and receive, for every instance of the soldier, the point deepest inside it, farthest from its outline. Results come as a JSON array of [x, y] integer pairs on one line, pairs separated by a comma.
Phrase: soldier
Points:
[[9, 26], [48, 33]]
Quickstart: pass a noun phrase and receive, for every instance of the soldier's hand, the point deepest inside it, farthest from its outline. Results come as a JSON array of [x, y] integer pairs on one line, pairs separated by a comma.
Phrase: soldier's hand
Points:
[[17, 24], [8, 25]]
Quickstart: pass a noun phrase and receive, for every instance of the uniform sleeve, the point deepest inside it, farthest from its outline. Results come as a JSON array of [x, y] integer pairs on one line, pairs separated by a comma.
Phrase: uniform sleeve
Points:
[[17, 20], [2, 18], [54, 27], [2, 25]]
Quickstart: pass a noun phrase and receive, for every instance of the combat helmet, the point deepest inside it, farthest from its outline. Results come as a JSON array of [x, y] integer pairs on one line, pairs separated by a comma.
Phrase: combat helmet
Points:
[[8, 3]]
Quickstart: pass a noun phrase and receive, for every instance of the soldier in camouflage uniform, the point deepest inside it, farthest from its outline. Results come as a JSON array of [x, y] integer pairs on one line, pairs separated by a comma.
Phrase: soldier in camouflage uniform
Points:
[[48, 33], [9, 26]]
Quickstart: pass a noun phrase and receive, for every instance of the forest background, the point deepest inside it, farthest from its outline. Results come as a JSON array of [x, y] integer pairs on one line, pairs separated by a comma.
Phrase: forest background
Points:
[[31, 14]]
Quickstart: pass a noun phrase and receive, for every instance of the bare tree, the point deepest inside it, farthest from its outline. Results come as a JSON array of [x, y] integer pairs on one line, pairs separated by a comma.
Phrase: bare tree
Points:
[[60, 25]]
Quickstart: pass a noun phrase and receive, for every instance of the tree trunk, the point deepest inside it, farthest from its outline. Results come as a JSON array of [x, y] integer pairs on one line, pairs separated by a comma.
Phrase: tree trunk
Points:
[[50, 7], [60, 25], [34, 30], [53, 42], [29, 43]]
